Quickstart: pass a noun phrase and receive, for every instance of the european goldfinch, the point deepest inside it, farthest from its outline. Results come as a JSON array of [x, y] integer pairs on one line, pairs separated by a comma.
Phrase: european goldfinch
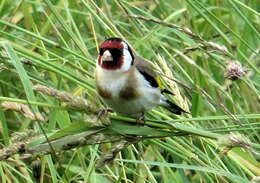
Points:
[[127, 83]]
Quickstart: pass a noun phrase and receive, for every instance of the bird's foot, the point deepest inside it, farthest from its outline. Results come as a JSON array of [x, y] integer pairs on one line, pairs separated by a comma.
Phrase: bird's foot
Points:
[[103, 112], [141, 119], [103, 118]]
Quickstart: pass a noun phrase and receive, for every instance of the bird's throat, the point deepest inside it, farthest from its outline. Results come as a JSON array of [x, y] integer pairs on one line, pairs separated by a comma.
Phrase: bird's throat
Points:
[[110, 65]]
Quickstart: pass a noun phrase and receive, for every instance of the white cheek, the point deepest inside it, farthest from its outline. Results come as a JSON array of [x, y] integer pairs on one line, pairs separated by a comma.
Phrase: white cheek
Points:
[[127, 58]]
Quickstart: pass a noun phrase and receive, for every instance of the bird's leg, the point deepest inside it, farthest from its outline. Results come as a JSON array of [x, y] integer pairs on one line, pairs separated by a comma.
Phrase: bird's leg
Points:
[[102, 117], [103, 112], [141, 119]]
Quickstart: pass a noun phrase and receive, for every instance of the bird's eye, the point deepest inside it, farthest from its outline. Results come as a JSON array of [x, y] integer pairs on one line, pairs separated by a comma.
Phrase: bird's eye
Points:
[[101, 51], [116, 50]]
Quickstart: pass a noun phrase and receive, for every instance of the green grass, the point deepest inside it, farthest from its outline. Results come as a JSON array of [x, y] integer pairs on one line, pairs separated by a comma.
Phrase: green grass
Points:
[[190, 42]]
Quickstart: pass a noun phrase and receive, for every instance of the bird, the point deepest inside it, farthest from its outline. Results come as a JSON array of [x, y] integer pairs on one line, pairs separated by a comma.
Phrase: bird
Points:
[[127, 83]]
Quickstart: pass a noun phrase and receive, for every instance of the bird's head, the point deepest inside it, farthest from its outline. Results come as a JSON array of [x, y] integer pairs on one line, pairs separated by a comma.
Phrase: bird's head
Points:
[[115, 54]]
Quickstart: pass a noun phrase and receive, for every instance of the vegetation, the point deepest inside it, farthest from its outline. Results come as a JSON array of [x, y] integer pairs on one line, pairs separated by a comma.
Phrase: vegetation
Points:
[[207, 54]]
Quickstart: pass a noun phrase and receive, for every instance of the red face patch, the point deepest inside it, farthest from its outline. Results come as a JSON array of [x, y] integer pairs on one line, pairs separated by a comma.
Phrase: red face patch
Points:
[[110, 65], [115, 47], [111, 44]]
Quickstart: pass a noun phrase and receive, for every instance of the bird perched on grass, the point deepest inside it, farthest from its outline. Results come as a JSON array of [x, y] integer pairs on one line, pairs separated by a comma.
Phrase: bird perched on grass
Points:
[[127, 83]]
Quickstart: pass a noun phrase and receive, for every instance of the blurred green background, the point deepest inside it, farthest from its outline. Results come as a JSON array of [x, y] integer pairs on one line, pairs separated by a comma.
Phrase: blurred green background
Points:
[[191, 43]]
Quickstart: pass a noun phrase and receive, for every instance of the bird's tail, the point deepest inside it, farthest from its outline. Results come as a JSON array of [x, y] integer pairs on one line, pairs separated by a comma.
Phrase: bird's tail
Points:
[[171, 106], [174, 108]]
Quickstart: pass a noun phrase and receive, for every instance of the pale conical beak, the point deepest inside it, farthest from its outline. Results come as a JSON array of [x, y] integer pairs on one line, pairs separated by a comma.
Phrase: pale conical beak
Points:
[[106, 57]]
